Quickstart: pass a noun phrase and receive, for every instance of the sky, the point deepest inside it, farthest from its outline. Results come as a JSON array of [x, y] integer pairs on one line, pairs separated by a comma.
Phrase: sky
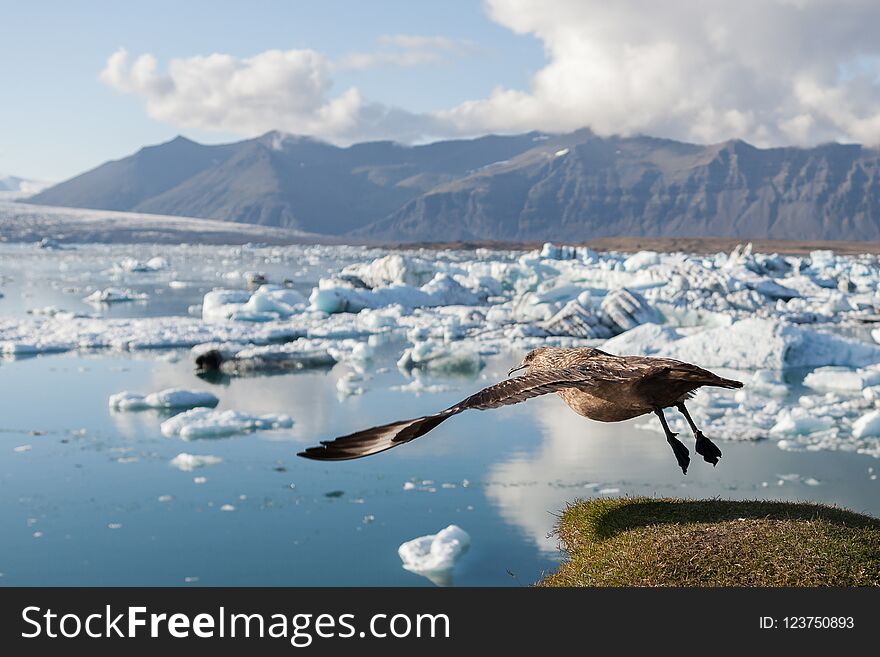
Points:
[[84, 82]]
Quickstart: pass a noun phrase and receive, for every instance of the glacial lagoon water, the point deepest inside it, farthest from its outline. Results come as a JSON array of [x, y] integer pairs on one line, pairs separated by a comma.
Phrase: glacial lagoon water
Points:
[[88, 496]]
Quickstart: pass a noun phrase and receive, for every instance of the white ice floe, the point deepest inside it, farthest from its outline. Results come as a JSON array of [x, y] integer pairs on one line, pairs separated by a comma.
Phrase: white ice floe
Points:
[[242, 360], [189, 462], [129, 264], [115, 295], [800, 421], [267, 303], [641, 260], [434, 555], [625, 309], [392, 269], [167, 399], [342, 296], [208, 423], [56, 334], [867, 425], [842, 379], [748, 344]]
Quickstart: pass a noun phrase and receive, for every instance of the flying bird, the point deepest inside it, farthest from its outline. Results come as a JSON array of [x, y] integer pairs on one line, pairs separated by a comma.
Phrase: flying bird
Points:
[[594, 384]]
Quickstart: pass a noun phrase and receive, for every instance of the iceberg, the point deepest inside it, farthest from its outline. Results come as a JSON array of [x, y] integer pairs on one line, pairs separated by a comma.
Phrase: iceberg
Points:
[[189, 462], [115, 295], [209, 423], [434, 555], [749, 344], [167, 399]]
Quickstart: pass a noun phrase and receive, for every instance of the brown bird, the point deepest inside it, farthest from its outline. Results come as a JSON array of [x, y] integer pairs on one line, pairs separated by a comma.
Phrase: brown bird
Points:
[[594, 384]]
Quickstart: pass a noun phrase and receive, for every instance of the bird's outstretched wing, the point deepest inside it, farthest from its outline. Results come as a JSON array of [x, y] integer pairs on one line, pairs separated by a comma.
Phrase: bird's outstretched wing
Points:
[[511, 391]]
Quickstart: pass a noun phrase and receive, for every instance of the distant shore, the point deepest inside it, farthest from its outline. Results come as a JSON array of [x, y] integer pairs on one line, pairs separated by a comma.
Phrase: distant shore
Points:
[[664, 244], [31, 223]]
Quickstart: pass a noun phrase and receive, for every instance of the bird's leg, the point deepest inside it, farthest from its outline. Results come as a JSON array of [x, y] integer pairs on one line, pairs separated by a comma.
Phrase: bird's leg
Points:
[[705, 447], [681, 452]]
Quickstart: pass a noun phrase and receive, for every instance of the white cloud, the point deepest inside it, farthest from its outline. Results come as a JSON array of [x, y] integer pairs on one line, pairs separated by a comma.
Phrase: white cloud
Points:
[[770, 71], [274, 90]]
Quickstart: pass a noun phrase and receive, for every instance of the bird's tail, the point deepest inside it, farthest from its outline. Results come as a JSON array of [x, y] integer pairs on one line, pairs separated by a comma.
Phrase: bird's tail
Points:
[[720, 382]]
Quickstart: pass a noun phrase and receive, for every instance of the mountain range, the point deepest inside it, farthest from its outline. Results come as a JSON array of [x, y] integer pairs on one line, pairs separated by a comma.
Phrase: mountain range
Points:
[[535, 186]]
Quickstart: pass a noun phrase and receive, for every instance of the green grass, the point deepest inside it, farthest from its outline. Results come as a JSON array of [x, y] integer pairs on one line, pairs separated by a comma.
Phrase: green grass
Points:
[[640, 541]]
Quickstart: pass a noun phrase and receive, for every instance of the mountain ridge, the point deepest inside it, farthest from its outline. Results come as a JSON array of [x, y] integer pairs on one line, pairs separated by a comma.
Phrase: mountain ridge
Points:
[[532, 186]]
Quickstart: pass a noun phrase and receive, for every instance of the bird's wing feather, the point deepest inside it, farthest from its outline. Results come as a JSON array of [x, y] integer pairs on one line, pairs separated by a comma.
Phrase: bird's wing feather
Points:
[[511, 391]]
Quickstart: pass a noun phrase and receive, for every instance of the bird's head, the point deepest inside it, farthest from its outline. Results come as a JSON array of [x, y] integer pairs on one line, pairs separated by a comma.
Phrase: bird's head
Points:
[[537, 358]]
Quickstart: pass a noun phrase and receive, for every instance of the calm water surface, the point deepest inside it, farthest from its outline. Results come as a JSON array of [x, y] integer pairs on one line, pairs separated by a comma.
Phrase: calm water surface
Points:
[[87, 496]]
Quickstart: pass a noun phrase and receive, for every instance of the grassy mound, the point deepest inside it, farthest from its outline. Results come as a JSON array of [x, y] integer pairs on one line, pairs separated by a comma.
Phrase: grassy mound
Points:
[[639, 541]]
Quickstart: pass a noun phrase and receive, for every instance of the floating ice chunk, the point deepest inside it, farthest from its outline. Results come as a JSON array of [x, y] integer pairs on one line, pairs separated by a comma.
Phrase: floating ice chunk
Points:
[[221, 304], [275, 299], [436, 356], [867, 425], [624, 309], [393, 269], [821, 259], [335, 296], [114, 295], [756, 343], [291, 356], [127, 401], [446, 291], [434, 555], [578, 320], [254, 278], [772, 289], [641, 260], [645, 340], [43, 335], [841, 379], [361, 352], [333, 300], [799, 421], [51, 245], [871, 393], [189, 462], [10, 348], [134, 265], [168, 398], [206, 423], [767, 382], [564, 252]]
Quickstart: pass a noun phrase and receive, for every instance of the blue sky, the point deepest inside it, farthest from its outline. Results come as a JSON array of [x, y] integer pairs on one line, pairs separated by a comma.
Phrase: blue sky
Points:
[[82, 82], [57, 118]]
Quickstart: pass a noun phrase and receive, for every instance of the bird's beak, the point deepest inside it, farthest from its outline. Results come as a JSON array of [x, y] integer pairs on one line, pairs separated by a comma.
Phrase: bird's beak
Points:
[[516, 369]]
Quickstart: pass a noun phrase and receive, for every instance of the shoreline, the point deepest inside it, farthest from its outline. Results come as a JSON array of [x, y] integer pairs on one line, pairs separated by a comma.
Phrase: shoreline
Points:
[[25, 223]]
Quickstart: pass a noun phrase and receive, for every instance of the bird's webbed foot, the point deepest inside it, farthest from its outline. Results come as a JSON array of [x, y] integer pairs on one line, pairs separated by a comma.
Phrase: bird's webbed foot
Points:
[[706, 448], [682, 455]]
